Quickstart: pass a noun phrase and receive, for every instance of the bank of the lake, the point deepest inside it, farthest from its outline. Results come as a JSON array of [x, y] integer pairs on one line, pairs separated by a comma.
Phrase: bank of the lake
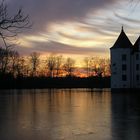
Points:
[[43, 82]]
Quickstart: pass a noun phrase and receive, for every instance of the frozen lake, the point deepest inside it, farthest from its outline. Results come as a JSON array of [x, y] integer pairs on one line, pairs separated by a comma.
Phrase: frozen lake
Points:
[[69, 114]]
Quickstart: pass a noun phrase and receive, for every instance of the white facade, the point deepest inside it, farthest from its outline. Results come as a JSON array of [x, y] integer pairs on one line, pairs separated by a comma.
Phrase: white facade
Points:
[[125, 63], [120, 77]]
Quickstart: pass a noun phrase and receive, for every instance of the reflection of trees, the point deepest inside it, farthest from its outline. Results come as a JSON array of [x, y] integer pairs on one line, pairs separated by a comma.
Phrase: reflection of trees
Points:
[[52, 114]]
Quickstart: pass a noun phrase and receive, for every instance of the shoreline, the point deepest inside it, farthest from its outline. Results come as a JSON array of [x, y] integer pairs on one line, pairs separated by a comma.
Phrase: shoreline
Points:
[[67, 82]]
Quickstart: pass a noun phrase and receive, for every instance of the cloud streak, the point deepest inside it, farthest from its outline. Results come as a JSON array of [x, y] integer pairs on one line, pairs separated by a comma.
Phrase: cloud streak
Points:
[[58, 48], [72, 26], [130, 20]]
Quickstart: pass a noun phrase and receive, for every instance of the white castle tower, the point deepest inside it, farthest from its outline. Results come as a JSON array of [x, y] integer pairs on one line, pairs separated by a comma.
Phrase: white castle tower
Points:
[[125, 63]]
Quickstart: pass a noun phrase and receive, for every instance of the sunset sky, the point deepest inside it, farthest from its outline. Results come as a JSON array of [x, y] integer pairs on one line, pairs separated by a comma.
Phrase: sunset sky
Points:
[[76, 28]]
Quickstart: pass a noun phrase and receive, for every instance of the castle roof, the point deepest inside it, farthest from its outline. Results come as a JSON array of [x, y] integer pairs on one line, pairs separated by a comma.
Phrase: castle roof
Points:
[[136, 45], [122, 41]]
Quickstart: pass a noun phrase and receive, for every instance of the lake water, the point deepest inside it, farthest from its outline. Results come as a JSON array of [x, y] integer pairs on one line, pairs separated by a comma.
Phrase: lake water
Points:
[[64, 114]]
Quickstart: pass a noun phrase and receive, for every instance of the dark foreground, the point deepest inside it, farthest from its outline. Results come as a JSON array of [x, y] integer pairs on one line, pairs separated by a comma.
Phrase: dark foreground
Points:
[[43, 82], [65, 114]]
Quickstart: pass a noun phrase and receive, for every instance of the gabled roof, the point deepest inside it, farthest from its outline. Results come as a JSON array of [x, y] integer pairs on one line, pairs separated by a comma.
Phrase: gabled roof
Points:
[[136, 45], [122, 41]]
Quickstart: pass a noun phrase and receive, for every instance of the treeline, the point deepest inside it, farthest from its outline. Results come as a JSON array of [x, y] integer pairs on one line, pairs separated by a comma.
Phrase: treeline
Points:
[[14, 65], [52, 71]]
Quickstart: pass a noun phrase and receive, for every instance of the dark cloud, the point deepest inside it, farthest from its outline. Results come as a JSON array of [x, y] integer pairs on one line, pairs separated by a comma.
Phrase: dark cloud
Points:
[[46, 11]]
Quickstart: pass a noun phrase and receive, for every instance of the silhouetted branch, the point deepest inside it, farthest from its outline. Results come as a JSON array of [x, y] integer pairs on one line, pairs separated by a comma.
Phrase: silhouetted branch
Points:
[[10, 26]]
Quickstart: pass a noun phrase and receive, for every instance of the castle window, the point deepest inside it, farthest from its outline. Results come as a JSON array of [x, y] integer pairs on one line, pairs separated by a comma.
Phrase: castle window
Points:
[[124, 67], [137, 66], [137, 77], [137, 56], [114, 73], [124, 57], [124, 78], [114, 64], [124, 85]]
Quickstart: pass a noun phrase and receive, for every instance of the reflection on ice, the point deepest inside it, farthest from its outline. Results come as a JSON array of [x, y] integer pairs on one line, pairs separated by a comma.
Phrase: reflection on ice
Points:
[[68, 114]]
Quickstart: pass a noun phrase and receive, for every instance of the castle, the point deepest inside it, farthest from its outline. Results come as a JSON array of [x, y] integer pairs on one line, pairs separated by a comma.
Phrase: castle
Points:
[[125, 63]]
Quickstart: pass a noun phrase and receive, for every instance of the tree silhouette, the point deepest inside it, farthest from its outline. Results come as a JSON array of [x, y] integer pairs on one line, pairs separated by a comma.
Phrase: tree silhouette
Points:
[[69, 66], [51, 65], [59, 61], [34, 59], [87, 61], [10, 26]]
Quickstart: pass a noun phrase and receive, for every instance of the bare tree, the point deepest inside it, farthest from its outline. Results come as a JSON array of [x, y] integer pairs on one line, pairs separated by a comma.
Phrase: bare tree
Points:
[[21, 67], [6, 59], [34, 59], [107, 71], [14, 57], [99, 66], [69, 66], [87, 61], [10, 26], [3, 60], [59, 60], [51, 65]]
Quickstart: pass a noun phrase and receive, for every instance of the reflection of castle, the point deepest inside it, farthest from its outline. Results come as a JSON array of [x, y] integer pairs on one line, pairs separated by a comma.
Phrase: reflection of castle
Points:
[[125, 116], [125, 63]]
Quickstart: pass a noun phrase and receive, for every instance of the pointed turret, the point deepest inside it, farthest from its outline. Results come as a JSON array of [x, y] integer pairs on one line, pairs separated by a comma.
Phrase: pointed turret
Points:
[[122, 41], [136, 46]]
